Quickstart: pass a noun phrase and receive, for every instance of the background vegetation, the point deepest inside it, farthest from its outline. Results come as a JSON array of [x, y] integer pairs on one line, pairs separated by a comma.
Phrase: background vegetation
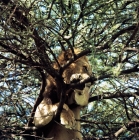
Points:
[[33, 32]]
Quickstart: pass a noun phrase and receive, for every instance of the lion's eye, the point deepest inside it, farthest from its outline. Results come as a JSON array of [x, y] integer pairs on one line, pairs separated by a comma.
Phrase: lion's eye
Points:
[[85, 68]]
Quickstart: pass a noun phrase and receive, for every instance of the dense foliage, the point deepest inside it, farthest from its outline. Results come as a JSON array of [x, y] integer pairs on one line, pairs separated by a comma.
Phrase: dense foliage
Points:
[[33, 32]]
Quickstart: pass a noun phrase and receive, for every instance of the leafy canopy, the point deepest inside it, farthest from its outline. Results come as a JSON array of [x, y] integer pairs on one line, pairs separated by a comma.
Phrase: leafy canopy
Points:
[[33, 33]]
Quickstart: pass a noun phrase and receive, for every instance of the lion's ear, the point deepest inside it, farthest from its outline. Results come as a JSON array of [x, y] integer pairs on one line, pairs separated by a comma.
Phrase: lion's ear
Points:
[[67, 55]]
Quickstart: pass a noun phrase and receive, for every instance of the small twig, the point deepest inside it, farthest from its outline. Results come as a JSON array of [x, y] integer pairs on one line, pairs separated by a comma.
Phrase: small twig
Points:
[[50, 9], [13, 51], [12, 14], [127, 29], [62, 46], [133, 34], [126, 109], [36, 136]]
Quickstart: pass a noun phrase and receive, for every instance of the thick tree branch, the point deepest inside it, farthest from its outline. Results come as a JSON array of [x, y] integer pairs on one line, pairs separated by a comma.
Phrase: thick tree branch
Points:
[[128, 71], [40, 97], [129, 126], [93, 79], [108, 95], [62, 101]]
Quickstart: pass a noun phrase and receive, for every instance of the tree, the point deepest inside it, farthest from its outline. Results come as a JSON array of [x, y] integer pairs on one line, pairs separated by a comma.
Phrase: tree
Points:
[[32, 35]]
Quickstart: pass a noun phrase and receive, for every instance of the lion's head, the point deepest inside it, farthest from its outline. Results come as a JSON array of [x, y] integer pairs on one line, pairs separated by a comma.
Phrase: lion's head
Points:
[[77, 69], [81, 65]]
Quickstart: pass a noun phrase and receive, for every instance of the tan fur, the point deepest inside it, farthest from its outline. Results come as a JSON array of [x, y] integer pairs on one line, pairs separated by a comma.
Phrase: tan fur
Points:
[[68, 129], [45, 112]]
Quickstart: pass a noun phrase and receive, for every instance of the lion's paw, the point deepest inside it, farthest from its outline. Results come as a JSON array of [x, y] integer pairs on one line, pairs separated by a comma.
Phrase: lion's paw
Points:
[[67, 118], [55, 107]]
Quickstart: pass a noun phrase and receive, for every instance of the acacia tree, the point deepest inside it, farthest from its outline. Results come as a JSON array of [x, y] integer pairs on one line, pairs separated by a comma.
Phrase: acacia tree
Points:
[[32, 35]]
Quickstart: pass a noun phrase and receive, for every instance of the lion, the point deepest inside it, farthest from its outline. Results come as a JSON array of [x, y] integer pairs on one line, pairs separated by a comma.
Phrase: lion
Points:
[[79, 67], [46, 110]]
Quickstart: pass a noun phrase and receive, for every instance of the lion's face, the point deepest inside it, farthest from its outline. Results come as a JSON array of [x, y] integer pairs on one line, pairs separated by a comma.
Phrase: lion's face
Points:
[[79, 96], [79, 66]]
